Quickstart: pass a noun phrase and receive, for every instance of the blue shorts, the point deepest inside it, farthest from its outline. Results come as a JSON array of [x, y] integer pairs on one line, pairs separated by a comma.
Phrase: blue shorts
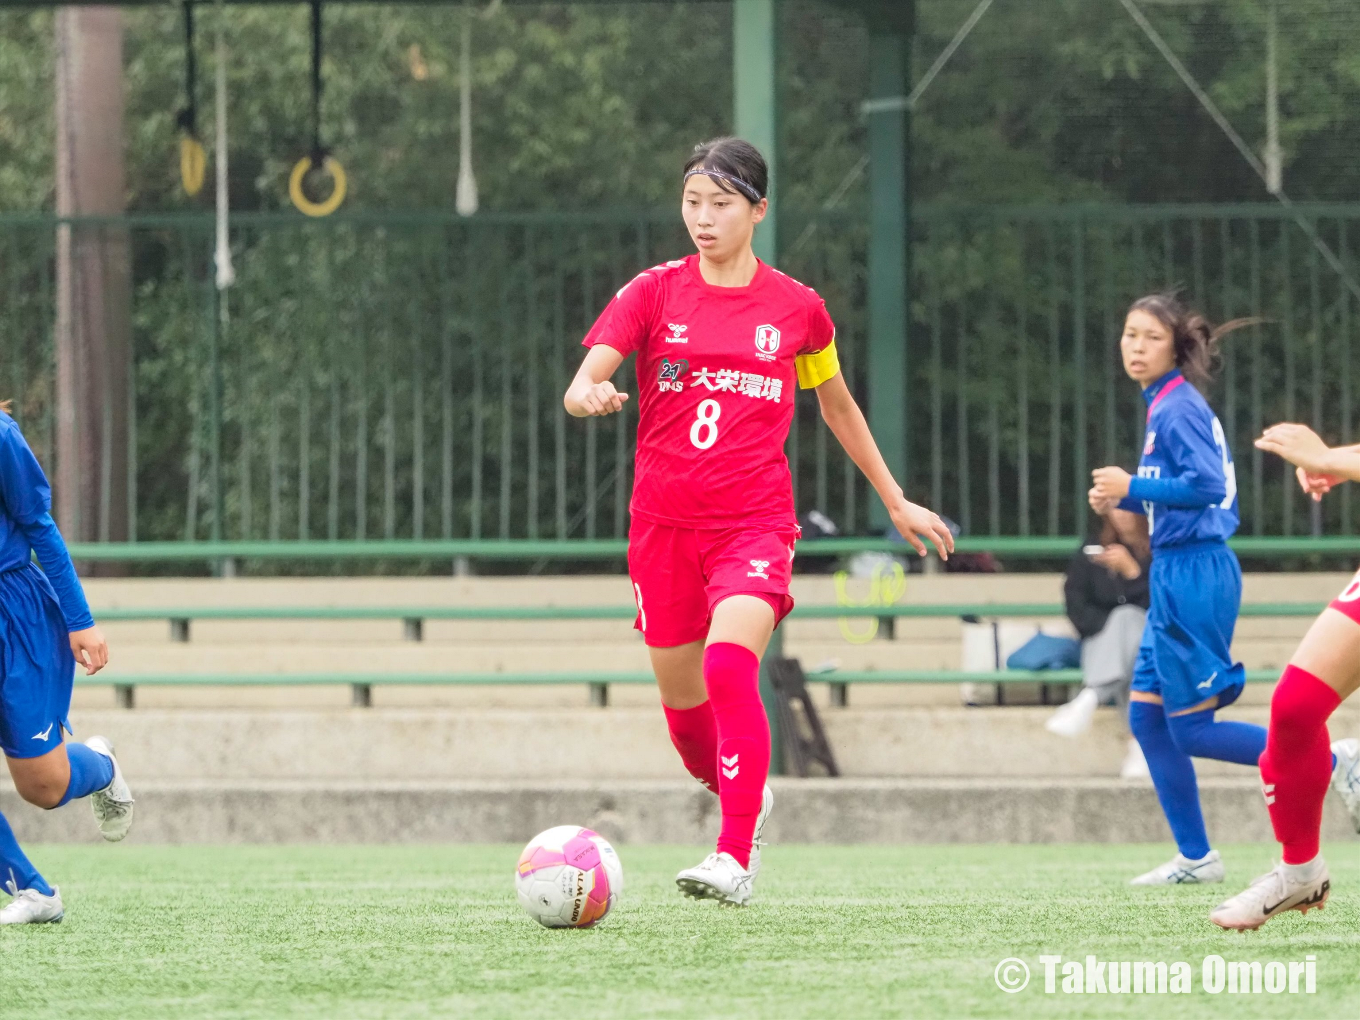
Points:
[[1186, 653], [37, 669]]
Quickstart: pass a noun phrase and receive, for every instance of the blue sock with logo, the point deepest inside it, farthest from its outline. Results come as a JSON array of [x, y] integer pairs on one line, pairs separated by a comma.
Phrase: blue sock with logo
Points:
[[1201, 735], [1173, 774], [90, 771], [16, 870]]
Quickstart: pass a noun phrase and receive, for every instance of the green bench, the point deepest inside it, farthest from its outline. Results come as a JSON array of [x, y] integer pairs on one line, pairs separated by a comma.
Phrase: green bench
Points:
[[414, 617]]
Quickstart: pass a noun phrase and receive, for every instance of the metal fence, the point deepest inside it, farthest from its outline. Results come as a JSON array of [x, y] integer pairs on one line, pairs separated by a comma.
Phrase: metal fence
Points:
[[400, 376]]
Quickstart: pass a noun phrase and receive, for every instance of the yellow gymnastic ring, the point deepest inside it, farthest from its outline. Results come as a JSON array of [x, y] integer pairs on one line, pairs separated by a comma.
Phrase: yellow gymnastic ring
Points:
[[306, 205], [192, 164]]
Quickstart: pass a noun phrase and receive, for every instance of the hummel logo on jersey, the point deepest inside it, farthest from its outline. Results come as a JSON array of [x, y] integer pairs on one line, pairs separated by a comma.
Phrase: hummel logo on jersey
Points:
[[1206, 683], [758, 569], [767, 342], [677, 336], [44, 734], [730, 766], [669, 373]]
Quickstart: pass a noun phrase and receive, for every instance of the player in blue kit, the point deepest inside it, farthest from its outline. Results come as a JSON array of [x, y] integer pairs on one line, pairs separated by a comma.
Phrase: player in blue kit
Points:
[[45, 629], [1186, 492]]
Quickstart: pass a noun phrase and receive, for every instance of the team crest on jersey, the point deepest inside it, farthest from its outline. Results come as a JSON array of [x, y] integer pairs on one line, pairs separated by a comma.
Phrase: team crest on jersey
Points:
[[669, 373], [1150, 444], [677, 335], [767, 342]]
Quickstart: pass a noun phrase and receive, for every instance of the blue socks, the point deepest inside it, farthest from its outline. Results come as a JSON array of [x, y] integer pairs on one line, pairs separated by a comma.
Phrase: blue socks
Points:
[[15, 867], [1202, 736], [90, 771], [1173, 774]]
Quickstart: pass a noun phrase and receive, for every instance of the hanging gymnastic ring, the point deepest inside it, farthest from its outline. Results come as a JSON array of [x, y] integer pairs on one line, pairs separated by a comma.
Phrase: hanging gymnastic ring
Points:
[[306, 205], [192, 164]]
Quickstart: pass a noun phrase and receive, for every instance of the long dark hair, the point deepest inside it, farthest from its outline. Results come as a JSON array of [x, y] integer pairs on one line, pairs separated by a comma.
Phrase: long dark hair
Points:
[[736, 159], [1194, 337]]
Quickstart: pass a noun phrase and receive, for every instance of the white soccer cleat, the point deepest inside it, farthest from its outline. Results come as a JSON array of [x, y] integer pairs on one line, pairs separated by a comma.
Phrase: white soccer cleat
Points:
[[112, 805], [31, 907], [1182, 870], [1346, 776], [1135, 767], [1074, 718], [766, 806], [719, 878], [1272, 894]]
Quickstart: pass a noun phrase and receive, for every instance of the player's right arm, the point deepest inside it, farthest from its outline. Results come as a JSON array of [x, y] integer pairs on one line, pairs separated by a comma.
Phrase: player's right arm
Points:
[[591, 393], [1319, 466]]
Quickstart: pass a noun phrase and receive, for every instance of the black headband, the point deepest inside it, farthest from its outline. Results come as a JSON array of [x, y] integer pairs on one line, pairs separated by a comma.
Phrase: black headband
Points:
[[731, 179]]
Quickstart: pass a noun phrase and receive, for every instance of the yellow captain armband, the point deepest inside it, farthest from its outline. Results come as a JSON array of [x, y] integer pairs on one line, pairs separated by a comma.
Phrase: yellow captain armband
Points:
[[815, 369]]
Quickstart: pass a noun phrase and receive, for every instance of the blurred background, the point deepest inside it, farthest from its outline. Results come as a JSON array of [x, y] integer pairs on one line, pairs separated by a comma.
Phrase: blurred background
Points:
[[978, 190]]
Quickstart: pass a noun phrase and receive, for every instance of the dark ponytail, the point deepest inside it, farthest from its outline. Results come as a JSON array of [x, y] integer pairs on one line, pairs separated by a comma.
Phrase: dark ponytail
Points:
[[738, 167], [1194, 337]]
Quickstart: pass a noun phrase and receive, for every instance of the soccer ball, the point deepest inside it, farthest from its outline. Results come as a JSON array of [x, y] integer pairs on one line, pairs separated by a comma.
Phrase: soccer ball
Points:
[[568, 877]]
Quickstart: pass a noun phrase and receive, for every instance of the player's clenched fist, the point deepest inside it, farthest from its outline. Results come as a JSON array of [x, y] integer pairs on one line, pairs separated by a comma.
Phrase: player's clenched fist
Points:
[[596, 399]]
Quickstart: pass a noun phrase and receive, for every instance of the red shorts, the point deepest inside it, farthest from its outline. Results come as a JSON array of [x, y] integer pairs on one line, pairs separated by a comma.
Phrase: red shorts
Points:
[[680, 574], [1348, 601]]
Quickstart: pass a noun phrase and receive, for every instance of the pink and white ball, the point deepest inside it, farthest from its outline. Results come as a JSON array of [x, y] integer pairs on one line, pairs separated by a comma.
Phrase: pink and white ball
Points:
[[568, 877]]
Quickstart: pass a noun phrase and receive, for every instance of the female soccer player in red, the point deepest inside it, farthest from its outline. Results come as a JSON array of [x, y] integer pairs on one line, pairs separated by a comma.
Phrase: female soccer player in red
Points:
[[720, 339], [1297, 762]]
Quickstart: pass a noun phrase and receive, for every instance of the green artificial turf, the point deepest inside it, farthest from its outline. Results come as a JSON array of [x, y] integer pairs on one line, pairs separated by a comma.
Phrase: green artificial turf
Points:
[[416, 931]]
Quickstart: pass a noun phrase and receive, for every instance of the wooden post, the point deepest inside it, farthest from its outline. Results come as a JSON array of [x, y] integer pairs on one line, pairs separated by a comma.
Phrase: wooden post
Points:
[[94, 279]]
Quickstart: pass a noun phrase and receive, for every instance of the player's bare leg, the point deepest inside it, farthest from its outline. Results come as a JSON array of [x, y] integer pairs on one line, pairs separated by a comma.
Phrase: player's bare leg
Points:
[[1296, 769]]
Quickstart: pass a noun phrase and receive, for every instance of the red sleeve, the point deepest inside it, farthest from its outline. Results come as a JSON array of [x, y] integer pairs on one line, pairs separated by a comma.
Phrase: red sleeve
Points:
[[821, 330], [627, 320]]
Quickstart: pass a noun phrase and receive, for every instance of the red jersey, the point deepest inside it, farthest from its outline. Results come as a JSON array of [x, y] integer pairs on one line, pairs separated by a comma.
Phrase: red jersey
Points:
[[716, 371]]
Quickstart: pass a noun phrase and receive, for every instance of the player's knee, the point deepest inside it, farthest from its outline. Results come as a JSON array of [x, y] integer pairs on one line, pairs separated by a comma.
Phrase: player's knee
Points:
[[1187, 731], [41, 791], [1291, 710], [1147, 723]]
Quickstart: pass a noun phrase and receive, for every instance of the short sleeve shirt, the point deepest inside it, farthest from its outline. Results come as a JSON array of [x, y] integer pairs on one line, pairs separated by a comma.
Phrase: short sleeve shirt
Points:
[[717, 371]]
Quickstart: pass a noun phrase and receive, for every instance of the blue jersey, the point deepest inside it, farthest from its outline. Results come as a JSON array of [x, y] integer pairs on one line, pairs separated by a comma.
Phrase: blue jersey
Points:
[[1186, 483], [26, 526]]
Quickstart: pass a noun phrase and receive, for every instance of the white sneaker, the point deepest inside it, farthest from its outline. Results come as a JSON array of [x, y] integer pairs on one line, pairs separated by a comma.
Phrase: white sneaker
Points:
[[1183, 871], [112, 805], [1272, 894], [766, 806], [1074, 718], [1346, 776], [719, 878], [31, 907], [1135, 767]]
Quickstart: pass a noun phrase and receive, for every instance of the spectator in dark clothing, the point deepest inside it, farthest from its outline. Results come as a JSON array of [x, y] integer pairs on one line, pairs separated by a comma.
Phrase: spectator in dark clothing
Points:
[[1106, 594]]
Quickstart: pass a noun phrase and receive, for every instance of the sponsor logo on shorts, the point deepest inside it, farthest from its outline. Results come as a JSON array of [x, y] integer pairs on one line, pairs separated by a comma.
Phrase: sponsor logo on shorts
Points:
[[45, 733], [1206, 683], [758, 568]]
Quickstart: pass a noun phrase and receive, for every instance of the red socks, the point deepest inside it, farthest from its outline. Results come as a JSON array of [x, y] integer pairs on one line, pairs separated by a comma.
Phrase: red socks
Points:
[[732, 676], [695, 735], [1297, 763]]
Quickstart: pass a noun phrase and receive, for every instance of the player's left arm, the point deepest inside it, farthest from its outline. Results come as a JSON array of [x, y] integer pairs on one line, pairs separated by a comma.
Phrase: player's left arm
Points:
[[26, 497], [847, 424]]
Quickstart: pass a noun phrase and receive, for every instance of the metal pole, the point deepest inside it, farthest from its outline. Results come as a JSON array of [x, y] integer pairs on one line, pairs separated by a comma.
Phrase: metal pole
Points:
[[756, 113], [889, 253]]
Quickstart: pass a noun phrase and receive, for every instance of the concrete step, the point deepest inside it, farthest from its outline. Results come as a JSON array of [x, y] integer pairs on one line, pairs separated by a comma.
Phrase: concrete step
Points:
[[398, 744], [806, 811]]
